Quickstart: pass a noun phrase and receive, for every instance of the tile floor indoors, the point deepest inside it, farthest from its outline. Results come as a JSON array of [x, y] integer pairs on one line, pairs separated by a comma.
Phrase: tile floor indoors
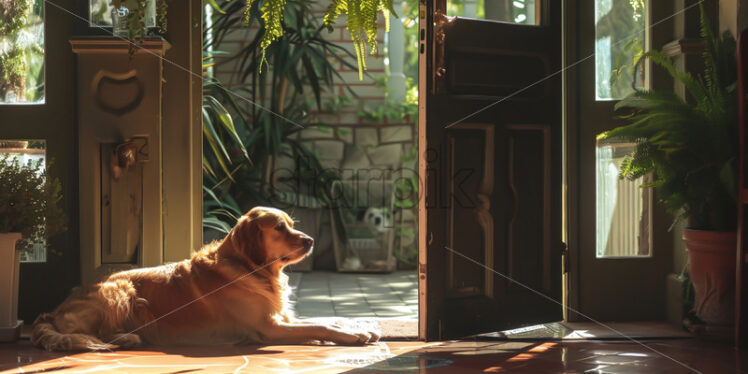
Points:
[[351, 295], [549, 348], [457, 357]]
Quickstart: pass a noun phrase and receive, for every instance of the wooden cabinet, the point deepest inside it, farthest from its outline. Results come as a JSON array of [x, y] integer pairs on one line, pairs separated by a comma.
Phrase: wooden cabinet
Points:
[[119, 95]]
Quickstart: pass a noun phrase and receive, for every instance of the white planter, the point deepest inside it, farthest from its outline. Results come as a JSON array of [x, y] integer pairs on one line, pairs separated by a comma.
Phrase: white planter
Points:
[[10, 261]]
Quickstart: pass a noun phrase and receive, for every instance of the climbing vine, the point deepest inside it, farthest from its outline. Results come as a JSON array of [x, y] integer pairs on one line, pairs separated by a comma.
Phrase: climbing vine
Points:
[[361, 22]]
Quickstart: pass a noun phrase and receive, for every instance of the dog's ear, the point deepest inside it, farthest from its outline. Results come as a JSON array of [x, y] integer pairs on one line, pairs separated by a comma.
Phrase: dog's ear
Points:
[[246, 238]]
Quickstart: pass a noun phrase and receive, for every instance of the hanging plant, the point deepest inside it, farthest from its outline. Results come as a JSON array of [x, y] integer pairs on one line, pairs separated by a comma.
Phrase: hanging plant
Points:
[[161, 11], [361, 22], [136, 22]]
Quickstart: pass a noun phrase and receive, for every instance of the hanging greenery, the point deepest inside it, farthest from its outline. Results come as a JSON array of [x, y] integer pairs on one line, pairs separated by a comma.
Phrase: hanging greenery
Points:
[[161, 10], [136, 22], [361, 22]]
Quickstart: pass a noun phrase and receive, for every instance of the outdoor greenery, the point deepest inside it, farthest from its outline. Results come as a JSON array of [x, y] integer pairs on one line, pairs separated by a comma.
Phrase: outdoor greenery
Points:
[[248, 128], [21, 69], [29, 201], [245, 134], [361, 21], [136, 22], [406, 199], [690, 144], [390, 111], [624, 25]]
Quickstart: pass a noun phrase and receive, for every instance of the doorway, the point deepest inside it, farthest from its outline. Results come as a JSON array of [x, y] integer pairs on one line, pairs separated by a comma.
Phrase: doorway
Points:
[[332, 145]]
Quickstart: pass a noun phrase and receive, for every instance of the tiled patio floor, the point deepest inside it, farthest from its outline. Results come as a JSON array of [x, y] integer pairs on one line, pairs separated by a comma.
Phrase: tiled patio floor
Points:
[[351, 295]]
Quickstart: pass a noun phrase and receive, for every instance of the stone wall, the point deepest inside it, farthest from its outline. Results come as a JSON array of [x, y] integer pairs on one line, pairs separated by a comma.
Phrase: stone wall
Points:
[[360, 146], [347, 142], [362, 151]]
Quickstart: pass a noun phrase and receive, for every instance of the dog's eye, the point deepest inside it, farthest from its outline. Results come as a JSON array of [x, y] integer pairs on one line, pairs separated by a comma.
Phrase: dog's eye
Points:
[[280, 227]]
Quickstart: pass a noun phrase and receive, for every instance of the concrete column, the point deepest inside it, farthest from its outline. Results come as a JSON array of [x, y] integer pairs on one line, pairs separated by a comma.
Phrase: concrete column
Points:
[[396, 55], [499, 10], [531, 11], [470, 8]]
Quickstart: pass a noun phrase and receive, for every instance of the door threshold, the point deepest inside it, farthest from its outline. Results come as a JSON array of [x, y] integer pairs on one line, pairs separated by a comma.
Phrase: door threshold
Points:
[[591, 331]]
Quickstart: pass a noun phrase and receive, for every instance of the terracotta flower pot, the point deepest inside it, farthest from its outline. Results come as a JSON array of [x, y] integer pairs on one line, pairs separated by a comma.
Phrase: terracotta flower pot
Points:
[[10, 326], [712, 257]]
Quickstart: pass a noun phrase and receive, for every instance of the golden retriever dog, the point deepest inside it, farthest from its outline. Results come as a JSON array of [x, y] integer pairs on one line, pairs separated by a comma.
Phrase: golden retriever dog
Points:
[[230, 292]]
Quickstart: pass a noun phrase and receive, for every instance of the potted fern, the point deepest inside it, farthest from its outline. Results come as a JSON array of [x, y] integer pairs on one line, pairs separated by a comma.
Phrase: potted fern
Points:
[[29, 213], [690, 147]]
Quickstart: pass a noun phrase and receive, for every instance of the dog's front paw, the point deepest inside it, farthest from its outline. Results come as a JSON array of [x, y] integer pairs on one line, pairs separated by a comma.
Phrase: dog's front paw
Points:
[[356, 337], [126, 340]]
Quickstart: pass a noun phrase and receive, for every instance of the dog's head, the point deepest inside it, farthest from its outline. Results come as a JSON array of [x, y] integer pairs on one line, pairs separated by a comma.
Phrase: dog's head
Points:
[[267, 235]]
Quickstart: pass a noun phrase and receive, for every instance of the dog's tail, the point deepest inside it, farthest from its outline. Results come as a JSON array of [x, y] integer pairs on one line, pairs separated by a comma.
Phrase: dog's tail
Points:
[[46, 335]]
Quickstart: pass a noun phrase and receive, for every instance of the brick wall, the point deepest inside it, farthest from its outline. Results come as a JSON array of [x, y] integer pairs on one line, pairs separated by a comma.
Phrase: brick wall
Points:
[[366, 93], [348, 141]]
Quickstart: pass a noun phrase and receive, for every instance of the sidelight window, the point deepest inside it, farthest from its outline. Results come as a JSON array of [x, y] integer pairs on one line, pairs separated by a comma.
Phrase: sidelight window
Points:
[[620, 41], [623, 207], [28, 152], [526, 12], [22, 52]]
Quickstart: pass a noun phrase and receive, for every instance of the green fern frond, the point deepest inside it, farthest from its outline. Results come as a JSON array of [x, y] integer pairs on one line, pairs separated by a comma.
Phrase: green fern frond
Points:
[[334, 10], [388, 6], [369, 14], [361, 23], [272, 14], [161, 13], [693, 86], [248, 12]]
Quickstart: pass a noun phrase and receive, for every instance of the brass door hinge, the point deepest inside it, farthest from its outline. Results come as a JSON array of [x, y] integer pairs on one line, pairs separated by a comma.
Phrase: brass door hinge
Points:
[[441, 20], [564, 258]]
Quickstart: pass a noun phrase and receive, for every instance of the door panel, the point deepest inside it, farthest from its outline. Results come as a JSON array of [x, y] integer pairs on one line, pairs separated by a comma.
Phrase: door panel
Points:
[[494, 66], [491, 154]]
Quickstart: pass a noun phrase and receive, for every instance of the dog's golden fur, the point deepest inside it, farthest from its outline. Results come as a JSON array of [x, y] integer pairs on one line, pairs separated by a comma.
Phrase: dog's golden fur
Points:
[[230, 292]]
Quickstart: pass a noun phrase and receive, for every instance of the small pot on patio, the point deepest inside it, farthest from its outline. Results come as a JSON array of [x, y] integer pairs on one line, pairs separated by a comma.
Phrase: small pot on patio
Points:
[[712, 257], [10, 259]]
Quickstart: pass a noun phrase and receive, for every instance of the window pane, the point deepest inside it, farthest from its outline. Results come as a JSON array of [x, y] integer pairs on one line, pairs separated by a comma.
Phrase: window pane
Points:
[[623, 206], [21, 51], [100, 12], [514, 11], [620, 39], [26, 151]]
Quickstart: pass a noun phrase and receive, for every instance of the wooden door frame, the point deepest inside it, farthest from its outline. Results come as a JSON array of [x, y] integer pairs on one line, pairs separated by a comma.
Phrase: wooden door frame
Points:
[[423, 85], [182, 140], [54, 121]]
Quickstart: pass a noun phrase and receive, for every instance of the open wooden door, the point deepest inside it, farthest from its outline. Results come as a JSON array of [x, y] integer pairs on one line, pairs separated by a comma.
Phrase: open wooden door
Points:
[[490, 139]]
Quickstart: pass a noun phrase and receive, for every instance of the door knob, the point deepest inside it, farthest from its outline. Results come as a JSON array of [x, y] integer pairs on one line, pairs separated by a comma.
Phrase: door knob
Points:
[[128, 154]]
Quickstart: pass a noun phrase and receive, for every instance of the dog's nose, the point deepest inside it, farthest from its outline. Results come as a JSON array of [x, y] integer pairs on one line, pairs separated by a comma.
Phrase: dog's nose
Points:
[[308, 242]]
